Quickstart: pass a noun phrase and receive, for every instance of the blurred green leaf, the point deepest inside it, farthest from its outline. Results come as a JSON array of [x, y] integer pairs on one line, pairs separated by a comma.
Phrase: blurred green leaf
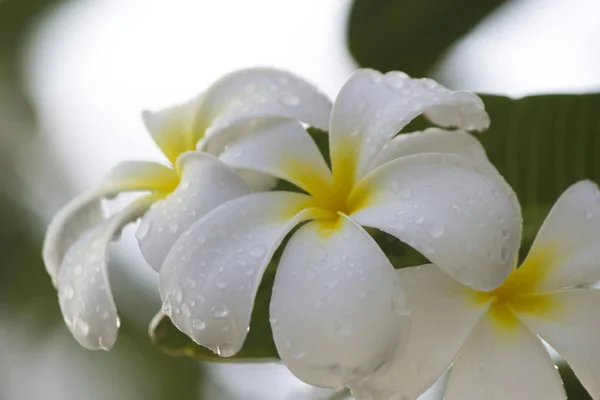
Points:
[[410, 35]]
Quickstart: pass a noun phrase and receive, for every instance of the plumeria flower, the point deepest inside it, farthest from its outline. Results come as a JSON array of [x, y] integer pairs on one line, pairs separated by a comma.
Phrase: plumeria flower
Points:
[[335, 302], [492, 338], [76, 245]]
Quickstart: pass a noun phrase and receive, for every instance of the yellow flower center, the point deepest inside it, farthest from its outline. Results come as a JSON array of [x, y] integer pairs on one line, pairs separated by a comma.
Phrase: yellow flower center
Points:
[[519, 294]]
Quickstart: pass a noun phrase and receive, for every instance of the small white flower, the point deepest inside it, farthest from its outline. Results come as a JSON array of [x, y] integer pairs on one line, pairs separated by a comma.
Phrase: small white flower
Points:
[[76, 243], [335, 306], [491, 338]]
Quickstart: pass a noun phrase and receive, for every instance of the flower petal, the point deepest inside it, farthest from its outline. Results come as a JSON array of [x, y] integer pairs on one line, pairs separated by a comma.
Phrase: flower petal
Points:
[[436, 301], [459, 213], [205, 184], [496, 364], [83, 287], [85, 211], [280, 148], [337, 311], [258, 93], [573, 333], [172, 128], [371, 108], [569, 238], [432, 140], [209, 279]]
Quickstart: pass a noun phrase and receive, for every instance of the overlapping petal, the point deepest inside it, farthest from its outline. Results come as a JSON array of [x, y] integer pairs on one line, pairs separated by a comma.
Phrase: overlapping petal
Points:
[[83, 287], [205, 184], [209, 279], [85, 211], [432, 140], [442, 320], [280, 148], [255, 93], [337, 312], [568, 241], [572, 330], [459, 213], [497, 364], [371, 108]]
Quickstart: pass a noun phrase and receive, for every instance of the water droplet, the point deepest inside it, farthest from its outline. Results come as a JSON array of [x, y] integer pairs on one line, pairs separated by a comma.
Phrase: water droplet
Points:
[[399, 226], [436, 230], [177, 295], [428, 249], [319, 253], [361, 295], [143, 229], [69, 292], [174, 228], [166, 307], [429, 83], [405, 194], [289, 99], [220, 310], [221, 285], [395, 186], [81, 326], [343, 327], [344, 257], [310, 274], [184, 185], [198, 324], [504, 254], [226, 350], [249, 272], [376, 78], [77, 269], [331, 283], [318, 303], [420, 219], [588, 214], [505, 233], [395, 81], [258, 251], [250, 89]]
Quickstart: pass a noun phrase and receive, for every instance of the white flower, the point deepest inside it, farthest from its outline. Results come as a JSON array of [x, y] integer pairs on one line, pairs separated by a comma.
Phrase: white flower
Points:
[[333, 309], [76, 244], [491, 338]]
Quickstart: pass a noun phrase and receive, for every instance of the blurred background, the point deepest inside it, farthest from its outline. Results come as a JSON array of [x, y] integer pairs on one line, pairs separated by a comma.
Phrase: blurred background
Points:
[[74, 78]]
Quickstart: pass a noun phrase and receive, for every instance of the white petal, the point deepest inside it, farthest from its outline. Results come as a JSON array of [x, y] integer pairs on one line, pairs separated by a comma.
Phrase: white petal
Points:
[[568, 241], [205, 184], [209, 279], [172, 128], [437, 303], [280, 148], [371, 108], [83, 288], [337, 311], [573, 332], [432, 140], [258, 93], [85, 211], [459, 213], [498, 364]]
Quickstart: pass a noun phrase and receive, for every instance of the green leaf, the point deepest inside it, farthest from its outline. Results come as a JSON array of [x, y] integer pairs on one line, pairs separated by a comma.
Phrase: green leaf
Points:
[[410, 35]]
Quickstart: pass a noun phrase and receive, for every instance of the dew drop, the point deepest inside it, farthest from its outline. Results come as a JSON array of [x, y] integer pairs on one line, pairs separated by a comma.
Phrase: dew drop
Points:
[[504, 254], [376, 78], [588, 214], [177, 295], [289, 99], [77, 269], [221, 285], [436, 230], [69, 292], [331, 283], [220, 310], [505, 233], [420, 219], [343, 327], [258, 251], [143, 229], [198, 324], [395, 81], [319, 253], [173, 228], [405, 194], [310, 274], [395, 186]]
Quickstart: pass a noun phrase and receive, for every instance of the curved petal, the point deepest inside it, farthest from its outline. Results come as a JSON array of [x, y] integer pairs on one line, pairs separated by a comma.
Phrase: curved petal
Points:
[[280, 148], [205, 184], [209, 279], [258, 93], [437, 302], [83, 287], [573, 333], [85, 211], [432, 140], [568, 240], [371, 108], [503, 365], [459, 213], [337, 311], [172, 128]]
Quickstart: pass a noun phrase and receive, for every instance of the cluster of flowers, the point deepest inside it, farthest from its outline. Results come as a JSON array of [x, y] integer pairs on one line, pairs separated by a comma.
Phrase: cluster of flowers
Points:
[[341, 315]]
